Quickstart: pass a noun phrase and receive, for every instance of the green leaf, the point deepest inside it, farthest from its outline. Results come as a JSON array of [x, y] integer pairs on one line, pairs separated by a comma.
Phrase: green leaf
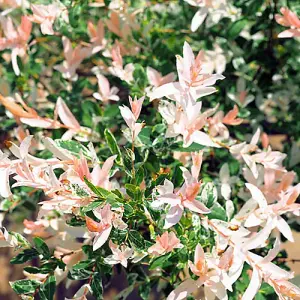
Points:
[[129, 157], [93, 188], [88, 110], [74, 15], [24, 286], [253, 6], [260, 296], [236, 28], [266, 289], [22, 242], [49, 266], [113, 146], [32, 270], [234, 167], [7, 204], [128, 210], [139, 176], [42, 247], [82, 270], [43, 269], [111, 111], [131, 188], [209, 194], [140, 76], [99, 191], [133, 191], [74, 148], [47, 290], [118, 236], [159, 128], [217, 212], [238, 63], [144, 136], [136, 239], [88, 250], [93, 205], [103, 194], [24, 256], [96, 286], [161, 262], [144, 290]]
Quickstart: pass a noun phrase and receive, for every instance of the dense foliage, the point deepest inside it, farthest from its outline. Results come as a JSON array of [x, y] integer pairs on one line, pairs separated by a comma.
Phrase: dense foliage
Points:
[[156, 139]]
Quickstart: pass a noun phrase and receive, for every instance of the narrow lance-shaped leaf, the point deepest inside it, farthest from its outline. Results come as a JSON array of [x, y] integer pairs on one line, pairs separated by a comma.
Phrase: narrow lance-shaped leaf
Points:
[[47, 290], [113, 146], [96, 286], [42, 247]]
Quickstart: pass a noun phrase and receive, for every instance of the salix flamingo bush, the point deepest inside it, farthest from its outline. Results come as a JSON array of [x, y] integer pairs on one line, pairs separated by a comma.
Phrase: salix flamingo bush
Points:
[[121, 157]]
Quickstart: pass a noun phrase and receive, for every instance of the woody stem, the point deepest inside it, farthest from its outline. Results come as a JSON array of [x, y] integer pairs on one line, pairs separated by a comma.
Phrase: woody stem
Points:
[[292, 260], [132, 157]]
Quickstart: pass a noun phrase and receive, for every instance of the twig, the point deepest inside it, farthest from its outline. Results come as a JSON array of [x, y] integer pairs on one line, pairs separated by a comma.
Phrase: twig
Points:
[[132, 157], [292, 260]]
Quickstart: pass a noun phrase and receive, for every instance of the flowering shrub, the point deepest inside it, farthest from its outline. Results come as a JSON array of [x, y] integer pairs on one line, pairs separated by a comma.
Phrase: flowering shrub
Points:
[[124, 147]]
